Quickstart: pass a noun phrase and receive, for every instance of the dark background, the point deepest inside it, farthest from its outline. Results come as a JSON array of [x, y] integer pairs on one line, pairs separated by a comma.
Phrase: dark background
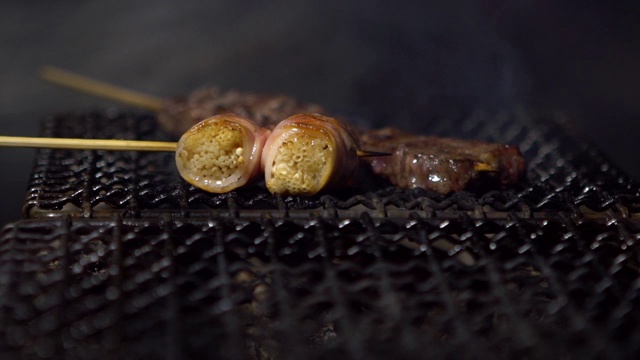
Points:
[[384, 61]]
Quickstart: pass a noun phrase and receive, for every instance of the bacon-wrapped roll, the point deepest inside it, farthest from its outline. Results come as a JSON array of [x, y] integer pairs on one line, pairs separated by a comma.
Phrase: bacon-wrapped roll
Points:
[[221, 153], [307, 153]]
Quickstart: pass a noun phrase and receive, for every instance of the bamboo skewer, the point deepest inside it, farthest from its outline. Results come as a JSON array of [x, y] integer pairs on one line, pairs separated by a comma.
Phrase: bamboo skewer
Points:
[[135, 145], [87, 144], [101, 89], [484, 167], [367, 153], [113, 92], [106, 144], [109, 91]]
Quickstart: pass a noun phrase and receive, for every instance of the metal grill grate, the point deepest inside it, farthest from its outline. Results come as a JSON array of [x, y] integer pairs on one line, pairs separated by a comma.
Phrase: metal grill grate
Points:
[[292, 289], [564, 175], [122, 258]]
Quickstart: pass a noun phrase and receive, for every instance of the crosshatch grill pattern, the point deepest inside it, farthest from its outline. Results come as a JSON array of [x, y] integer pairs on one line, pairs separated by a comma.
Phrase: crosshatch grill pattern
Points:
[[322, 288], [121, 258], [564, 175]]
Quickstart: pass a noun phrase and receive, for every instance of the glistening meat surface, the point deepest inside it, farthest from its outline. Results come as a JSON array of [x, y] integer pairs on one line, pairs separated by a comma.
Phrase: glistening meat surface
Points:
[[308, 153], [221, 153], [441, 164]]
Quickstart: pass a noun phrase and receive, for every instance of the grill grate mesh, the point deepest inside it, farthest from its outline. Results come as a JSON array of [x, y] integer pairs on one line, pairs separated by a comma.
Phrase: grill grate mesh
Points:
[[119, 257], [291, 289], [564, 175]]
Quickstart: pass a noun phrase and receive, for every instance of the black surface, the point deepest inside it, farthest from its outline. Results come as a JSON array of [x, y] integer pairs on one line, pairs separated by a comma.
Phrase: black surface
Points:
[[319, 289], [388, 62]]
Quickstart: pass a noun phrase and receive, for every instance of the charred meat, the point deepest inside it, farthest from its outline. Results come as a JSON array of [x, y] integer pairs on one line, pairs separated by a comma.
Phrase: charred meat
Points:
[[441, 164]]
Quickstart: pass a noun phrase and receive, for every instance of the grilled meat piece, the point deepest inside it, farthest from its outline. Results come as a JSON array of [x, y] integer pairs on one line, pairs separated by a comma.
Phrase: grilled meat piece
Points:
[[440, 164], [307, 153], [443, 165], [221, 153], [181, 113]]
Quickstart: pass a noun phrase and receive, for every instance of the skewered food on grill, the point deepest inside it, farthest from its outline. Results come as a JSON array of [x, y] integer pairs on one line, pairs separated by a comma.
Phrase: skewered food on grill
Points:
[[307, 153], [221, 153], [441, 164], [178, 114], [218, 154]]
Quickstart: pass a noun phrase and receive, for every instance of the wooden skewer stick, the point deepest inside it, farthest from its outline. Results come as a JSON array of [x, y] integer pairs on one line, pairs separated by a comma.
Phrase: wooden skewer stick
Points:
[[101, 89], [135, 145], [367, 153], [86, 144], [106, 144], [484, 167]]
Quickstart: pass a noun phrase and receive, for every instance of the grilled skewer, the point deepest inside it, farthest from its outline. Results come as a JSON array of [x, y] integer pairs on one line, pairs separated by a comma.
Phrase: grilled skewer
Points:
[[221, 153], [224, 152], [442, 165], [307, 153], [218, 155], [266, 111], [179, 114]]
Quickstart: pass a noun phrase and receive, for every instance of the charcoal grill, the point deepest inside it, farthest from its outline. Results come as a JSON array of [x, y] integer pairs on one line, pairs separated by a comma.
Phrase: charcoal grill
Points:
[[118, 257]]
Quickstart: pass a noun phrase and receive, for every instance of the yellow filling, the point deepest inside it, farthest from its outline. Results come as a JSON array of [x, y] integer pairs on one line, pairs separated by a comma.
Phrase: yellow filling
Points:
[[299, 166], [215, 154]]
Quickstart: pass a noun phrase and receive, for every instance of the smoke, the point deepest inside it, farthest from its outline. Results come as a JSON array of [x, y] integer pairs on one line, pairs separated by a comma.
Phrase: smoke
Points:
[[386, 62]]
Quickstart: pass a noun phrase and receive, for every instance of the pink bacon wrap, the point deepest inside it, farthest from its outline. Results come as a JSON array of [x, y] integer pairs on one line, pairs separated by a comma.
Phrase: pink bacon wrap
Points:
[[307, 153], [221, 153]]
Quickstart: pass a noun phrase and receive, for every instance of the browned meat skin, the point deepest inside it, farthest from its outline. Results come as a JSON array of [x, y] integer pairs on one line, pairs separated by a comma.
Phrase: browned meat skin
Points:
[[181, 113], [308, 153], [440, 164], [221, 153]]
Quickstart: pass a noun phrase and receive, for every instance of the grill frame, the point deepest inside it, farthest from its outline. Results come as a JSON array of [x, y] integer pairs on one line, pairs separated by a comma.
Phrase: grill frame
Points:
[[117, 257]]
